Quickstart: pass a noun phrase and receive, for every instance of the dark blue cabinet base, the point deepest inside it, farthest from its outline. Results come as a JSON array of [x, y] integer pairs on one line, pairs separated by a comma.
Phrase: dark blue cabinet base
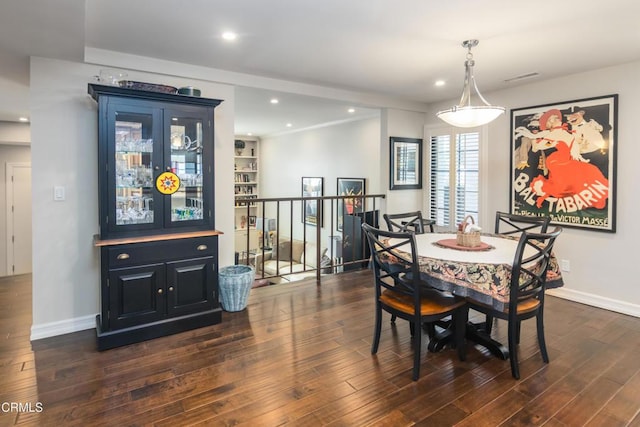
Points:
[[116, 338], [157, 285]]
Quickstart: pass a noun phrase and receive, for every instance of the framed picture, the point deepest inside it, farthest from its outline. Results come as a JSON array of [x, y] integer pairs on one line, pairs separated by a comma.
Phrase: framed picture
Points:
[[252, 220], [349, 206], [311, 211], [563, 162], [405, 171]]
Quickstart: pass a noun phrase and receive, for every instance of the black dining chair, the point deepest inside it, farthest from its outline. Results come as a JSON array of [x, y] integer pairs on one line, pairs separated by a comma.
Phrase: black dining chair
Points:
[[414, 222], [408, 221], [400, 291], [526, 291], [513, 225]]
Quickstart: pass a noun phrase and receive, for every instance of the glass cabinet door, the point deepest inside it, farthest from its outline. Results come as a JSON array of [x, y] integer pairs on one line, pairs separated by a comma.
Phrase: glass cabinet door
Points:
[[187, 157], [136, 152], [155, 162]]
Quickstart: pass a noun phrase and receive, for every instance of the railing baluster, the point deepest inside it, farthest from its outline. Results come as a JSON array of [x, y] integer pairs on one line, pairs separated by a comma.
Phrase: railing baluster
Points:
[[273, 206]]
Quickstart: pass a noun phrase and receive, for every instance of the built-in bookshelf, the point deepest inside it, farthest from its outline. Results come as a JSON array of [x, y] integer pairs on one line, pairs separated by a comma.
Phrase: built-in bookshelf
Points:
[[246, 180]]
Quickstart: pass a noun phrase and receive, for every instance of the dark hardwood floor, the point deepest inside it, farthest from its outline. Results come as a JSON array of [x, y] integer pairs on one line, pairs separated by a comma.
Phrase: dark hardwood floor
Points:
[[300, 355]]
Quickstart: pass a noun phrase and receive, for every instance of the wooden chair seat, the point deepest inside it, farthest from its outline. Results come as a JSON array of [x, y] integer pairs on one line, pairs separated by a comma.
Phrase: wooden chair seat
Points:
[[430, 305], [525, 306]]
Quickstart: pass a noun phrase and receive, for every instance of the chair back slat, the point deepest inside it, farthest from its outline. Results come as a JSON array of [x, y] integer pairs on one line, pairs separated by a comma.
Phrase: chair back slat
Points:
[[530, 265], [512, 224], [403, 222]]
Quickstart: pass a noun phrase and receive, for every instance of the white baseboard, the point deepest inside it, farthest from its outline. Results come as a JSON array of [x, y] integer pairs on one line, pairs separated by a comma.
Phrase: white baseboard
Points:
[[62, 327], [89, 322], [596, 301]]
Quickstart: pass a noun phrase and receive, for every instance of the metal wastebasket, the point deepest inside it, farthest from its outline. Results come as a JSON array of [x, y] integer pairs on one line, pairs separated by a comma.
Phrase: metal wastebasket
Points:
[[235, 284]]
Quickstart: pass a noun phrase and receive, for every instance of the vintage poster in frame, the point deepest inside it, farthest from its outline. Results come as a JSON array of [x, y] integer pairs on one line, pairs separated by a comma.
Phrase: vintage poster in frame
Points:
[[311, 210], [348, 206], [563, 162]]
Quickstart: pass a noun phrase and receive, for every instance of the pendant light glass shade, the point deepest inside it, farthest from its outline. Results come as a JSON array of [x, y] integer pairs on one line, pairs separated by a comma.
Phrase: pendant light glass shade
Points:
[[464, 114]]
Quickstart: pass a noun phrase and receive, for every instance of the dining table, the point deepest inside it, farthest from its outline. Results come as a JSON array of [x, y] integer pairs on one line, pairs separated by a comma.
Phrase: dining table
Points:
[[481, 273]]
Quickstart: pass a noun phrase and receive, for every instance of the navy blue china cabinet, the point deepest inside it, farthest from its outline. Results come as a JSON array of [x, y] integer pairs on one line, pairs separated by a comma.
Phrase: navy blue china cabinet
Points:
[[158, 243]]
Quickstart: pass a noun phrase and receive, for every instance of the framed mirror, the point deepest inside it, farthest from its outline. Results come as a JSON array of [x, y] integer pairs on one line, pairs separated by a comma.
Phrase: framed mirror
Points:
[[405, 171]]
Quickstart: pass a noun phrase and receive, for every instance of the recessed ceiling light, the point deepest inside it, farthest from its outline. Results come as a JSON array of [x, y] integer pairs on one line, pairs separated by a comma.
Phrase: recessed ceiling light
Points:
[[23, 119], [249, 134], [274, 101], [229, 35], [289, 125], [351, 110], [440, 83]]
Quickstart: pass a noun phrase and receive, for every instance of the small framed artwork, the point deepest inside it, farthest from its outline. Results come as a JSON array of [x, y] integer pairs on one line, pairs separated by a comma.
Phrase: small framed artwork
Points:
[[352, 187], [405, 169], [311, 209], [563, 162], [252, 220]]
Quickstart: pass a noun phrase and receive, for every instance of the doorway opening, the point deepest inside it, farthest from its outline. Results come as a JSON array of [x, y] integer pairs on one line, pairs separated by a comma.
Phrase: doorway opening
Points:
[[18, 217]]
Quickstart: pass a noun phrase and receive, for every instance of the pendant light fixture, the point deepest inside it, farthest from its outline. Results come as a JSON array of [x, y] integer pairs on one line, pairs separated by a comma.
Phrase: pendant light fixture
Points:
[[464, 114]]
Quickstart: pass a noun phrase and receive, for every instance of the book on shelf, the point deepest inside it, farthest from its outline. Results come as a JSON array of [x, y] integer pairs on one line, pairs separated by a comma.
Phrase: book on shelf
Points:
[[244, 200]]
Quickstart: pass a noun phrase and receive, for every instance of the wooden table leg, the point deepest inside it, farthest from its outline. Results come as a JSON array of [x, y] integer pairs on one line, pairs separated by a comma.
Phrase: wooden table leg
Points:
[[475, 333]]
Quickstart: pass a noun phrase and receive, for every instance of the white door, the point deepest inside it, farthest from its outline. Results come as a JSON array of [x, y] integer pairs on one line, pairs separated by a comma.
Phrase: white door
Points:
[[18, 218]]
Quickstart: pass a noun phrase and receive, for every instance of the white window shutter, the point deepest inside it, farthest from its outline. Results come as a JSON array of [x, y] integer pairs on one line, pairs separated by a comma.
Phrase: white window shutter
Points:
[[454, 162]]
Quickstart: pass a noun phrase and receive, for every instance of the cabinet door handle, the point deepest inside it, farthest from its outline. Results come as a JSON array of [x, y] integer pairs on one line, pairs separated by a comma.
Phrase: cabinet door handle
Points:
[[123, 256], [159, 291], [202, 247], [170, 288]]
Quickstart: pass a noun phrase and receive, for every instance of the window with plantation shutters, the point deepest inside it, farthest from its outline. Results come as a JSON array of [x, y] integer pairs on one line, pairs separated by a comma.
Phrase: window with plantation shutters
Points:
[[454, 172]]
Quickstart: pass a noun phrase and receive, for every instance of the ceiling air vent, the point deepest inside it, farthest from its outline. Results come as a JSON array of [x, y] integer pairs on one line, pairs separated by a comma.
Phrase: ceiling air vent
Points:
[[522, 77]]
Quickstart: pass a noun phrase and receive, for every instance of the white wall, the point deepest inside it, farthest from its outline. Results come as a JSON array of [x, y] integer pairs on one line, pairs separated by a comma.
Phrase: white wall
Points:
[[14, 133], [347, 150], [602, 264], [407, 124], [66, 272], [8, 154]]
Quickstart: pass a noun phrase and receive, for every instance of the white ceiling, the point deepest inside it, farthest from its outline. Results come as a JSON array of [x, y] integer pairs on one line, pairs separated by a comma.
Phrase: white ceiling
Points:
[[390, 48]]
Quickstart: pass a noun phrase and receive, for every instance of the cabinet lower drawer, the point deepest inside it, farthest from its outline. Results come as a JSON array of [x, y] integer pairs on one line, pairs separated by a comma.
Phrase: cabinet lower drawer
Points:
[[144, 253]]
